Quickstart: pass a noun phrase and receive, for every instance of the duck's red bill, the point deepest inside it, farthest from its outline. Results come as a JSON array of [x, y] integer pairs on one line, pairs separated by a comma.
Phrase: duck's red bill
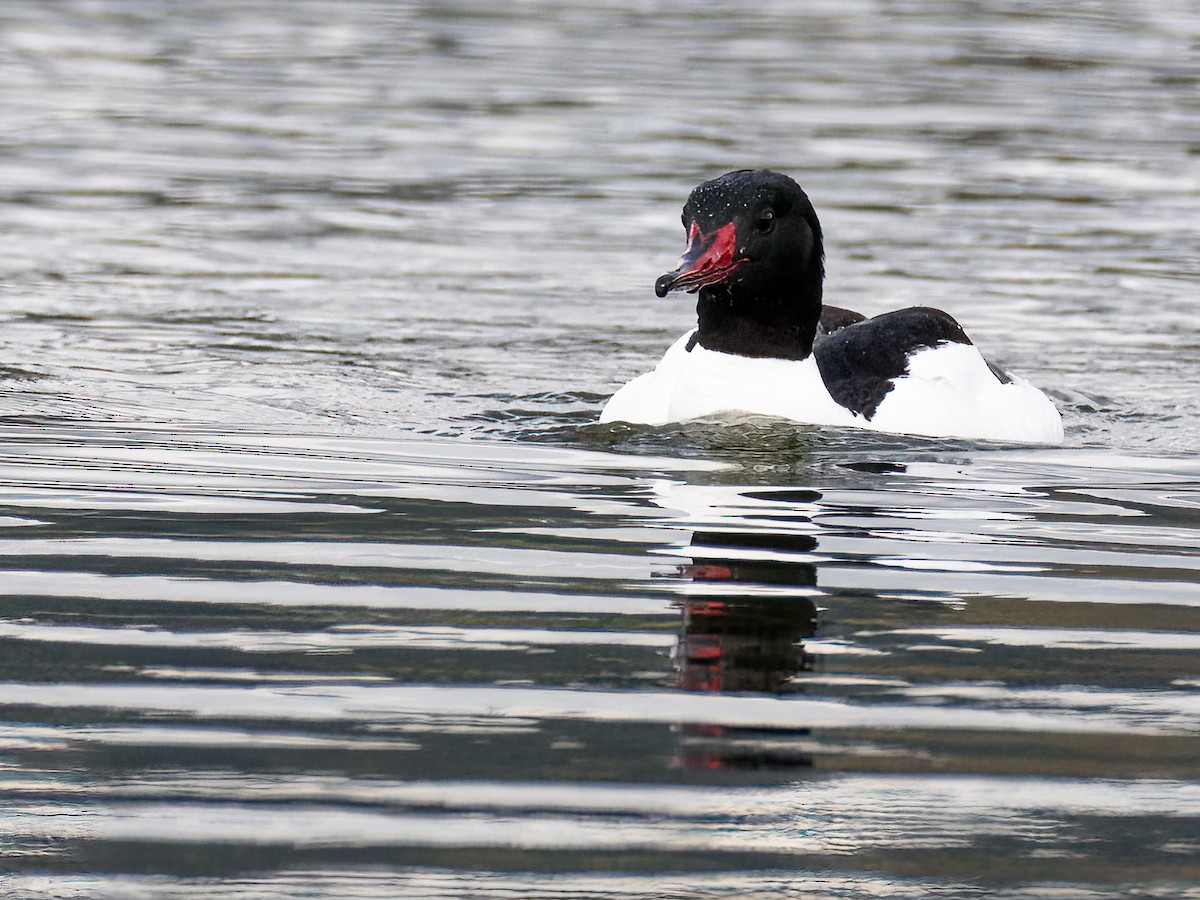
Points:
[[709, 259]]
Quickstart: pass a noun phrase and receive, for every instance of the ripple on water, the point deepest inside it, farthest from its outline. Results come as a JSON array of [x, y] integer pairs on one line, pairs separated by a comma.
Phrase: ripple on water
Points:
[[319, 578], [549, 653]]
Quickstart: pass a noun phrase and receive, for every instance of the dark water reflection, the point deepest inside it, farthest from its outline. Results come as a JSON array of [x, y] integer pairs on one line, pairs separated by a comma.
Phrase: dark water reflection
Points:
[[317, 577], [745, 644]]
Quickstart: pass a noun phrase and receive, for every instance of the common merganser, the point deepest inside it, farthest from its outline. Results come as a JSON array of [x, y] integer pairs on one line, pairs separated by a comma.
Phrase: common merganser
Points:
[[765, 345]]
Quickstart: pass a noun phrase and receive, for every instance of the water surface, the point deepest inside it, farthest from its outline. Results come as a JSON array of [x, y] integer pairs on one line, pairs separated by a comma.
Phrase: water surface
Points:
[[318, 578]]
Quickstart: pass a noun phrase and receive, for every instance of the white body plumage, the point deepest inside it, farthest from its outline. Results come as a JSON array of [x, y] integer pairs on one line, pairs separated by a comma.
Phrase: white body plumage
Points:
[[947, 391]]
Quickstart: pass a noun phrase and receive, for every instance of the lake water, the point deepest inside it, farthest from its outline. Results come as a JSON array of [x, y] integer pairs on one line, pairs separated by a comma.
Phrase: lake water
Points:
[[320, 580]]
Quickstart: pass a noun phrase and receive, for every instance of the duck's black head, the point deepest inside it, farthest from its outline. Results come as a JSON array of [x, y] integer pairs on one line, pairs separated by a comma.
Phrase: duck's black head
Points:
[[755, 255]]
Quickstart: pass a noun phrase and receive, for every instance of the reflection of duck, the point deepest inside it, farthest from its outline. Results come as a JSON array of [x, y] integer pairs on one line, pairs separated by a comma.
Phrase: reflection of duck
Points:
[[765, 345], [731, 643], [741, 643]]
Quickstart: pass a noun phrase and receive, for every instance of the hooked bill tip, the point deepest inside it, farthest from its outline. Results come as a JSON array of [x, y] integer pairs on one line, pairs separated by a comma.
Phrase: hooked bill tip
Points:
[[663, 286]]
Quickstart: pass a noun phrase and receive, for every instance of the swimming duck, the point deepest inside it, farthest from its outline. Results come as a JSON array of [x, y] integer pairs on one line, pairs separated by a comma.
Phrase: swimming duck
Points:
[[766, 345]]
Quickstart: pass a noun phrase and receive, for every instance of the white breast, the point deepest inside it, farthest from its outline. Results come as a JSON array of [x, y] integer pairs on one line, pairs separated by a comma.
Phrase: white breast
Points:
[[949, 391], [700, 383]]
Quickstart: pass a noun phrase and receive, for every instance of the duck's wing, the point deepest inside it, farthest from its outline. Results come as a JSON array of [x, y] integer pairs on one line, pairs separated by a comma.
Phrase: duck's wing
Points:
[[834, 318], [914, 371], [860, 361]]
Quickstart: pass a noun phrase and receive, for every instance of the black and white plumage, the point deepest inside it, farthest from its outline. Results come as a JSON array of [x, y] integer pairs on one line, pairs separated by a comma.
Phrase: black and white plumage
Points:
[[765, 345]]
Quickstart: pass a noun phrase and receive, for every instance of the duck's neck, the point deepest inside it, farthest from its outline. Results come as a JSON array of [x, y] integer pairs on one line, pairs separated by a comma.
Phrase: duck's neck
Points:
[[782, 328]]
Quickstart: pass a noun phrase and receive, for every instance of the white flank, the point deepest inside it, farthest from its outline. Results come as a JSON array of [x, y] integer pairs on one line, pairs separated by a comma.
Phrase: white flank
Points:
[[950, 391]]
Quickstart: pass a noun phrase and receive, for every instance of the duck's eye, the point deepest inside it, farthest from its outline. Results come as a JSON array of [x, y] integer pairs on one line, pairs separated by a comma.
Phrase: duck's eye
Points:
[[765, 221]]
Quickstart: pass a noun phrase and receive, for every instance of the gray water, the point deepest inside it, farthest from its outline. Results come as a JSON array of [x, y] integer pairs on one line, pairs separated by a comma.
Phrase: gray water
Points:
[[319, 580]]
